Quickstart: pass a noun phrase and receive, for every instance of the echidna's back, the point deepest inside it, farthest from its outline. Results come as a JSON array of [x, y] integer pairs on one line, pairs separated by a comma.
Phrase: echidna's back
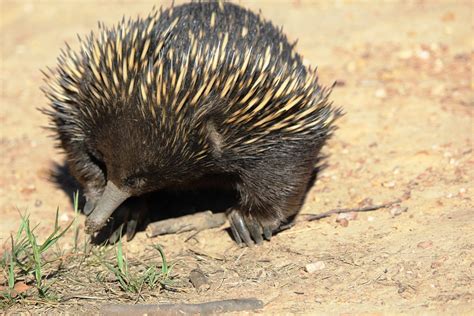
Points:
[[244, 27], [179, 77], [223, 60]]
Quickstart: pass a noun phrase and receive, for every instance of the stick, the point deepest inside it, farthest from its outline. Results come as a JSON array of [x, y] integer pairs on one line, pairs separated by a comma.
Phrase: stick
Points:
[[198, 221], [348, 210], [224, 306]]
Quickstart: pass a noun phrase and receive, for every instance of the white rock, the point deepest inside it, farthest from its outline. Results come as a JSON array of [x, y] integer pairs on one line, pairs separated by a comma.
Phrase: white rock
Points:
[[315, 266], [380, 93], [64, 218]]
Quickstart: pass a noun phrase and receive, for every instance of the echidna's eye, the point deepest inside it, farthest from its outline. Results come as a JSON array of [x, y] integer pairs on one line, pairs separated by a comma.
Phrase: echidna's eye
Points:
[[134, 182], [97, 159]]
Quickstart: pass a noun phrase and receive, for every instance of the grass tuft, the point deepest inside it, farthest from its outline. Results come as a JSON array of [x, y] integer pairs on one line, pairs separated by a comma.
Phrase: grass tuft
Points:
[[26, 260], [30, 264], [135, 279]]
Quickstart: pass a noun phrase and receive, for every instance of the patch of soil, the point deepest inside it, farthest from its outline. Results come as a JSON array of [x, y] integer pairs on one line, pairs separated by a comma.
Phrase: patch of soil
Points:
[[404, 72]]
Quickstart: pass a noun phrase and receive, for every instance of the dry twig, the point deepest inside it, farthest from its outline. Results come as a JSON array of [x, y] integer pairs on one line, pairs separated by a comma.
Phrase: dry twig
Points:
[[198, 221], [348, 210], [224, 306]]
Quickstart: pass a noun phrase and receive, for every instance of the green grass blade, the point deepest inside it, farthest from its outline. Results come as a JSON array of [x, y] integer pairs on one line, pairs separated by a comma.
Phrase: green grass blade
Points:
[[120, 259], [164, 265], [11, 272]]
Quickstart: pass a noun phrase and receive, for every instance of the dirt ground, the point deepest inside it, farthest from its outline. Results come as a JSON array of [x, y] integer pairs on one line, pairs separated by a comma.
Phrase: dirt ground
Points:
[[405, 81]]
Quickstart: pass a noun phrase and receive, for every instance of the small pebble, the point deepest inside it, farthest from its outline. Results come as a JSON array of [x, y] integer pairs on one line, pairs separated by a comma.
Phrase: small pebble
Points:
[[425, 244], [64, 217], [397, 210], [389, 184], [343, 222], [371, 218], [340, 83], [199, 280], [315, 266], [349, 216], [436, 264], [29, 189], [380, 93], [38, 203], [365, 202], [423, 54]]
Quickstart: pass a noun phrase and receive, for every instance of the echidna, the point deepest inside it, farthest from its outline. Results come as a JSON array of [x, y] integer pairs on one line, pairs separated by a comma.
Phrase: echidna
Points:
[[198, 91]]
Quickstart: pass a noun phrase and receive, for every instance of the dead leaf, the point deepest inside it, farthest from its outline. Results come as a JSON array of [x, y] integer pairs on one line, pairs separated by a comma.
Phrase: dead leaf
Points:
[[21, 287]]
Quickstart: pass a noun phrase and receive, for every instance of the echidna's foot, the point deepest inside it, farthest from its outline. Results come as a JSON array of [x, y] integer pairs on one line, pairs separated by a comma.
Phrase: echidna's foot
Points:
[[125, 220], [247, 229]]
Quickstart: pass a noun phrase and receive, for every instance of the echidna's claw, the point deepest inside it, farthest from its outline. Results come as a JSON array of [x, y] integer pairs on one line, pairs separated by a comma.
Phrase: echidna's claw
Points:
[[132, 228], [251, 231], [267, 232], [116, 235], [240, 227], [234, 231], [247, 229], [255, 230]]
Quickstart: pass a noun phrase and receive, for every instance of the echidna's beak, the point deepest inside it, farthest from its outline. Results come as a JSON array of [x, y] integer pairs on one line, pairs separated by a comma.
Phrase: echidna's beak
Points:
[[110, 200]]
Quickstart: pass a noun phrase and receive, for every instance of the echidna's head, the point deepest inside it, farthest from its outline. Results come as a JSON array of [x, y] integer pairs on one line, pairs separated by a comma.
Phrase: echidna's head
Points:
[[129, 155], [137, 155], [105, 101]]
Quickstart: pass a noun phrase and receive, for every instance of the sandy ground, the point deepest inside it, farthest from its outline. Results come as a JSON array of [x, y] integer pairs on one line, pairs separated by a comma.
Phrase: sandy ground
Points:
[[405, 81]]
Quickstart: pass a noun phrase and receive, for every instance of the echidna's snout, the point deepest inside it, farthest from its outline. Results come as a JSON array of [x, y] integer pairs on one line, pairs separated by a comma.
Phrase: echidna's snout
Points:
[[107, 204]]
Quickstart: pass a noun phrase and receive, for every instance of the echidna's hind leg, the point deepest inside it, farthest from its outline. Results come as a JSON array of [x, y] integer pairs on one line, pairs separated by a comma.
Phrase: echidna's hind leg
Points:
[[246, 229], [252, 226], [272, 192]]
